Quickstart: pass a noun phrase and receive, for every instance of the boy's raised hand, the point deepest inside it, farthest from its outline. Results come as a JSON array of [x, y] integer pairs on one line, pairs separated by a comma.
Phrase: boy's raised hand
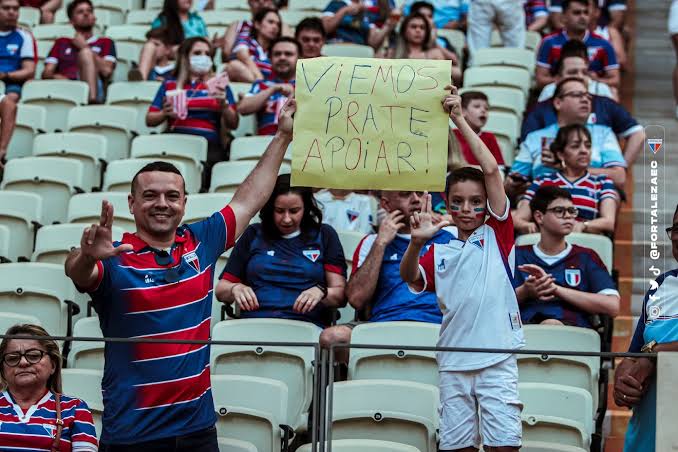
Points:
[[452, 103], [421, 223]]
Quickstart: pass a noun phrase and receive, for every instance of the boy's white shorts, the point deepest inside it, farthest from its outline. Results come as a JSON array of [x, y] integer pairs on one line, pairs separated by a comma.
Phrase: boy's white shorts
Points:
[[480, 402]]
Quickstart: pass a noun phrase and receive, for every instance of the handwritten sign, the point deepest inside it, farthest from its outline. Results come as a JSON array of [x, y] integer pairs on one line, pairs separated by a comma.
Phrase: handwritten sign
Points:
[[370, 124]]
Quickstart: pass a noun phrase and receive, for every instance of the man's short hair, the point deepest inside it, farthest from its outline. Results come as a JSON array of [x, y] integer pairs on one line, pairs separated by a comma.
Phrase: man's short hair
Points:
[[545, 195], [416, 6], [74, 4], [559, 86], [566, 3], [469, 96], [572, 48], [310, 23], [462, 175], [285, 39], [163, 167]]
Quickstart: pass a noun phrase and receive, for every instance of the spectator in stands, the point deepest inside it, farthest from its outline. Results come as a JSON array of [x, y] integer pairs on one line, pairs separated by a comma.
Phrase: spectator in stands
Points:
[[157, 282], [594, 195], [475, 107], [267, 95], [559, 283], [635, 384], [375, 288], [289, 266], [32, 403], [47, 8], [473, 316], [346, 210], [572, 103], [17, 51], [250, 58], [414, 40], [85, 56], [608, 32], [536, 15], [603, 65], [241, 29], [447, 14], [205, 113], [179, 24], [506, 15], [673, 31], [356, 21], [613, 12], [310, 34]]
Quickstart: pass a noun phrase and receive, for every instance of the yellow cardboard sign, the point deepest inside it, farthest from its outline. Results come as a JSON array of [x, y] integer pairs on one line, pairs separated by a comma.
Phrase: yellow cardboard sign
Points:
[[370, 124]]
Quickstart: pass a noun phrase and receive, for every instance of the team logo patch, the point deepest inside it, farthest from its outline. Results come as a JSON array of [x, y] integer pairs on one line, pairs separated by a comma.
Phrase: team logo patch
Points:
[[655, 144], [12, 48], [352, 215], [478, 241], [311, 255], [192, 260], [572, 277], [270, 253]]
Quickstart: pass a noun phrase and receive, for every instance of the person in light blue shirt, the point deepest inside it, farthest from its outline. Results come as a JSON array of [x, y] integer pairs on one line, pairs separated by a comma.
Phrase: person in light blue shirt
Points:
[[449, 14]]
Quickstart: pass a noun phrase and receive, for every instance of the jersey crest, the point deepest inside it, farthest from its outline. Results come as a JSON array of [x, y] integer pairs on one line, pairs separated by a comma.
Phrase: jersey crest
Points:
[[572, 277], [311, 255], [352, 215], [192, 260]]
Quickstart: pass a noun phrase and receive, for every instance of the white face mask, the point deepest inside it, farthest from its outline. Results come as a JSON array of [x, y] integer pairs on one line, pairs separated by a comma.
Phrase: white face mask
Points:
[[201, 64]]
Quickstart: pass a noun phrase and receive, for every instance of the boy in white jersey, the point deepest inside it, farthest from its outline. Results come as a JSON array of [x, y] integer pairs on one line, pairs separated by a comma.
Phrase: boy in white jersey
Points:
[[473, 279]]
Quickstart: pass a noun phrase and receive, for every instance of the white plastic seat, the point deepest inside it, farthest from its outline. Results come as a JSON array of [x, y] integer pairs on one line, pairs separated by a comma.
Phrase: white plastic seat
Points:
[[348, 50], [505, 56], [126, 54], [455, 37], [223, 18], [85, 384], [21, 213], [86, 354], [497, 76], [364, 445], [137, 95], [120, 173], [40, 290], [235, 445], [156, 5], [114, 123], [86, 208], [203, 205], [30, 120], [532, 40], [188, 149], [116, 8], [43, 49], [252, 148], [557, 414], [292, 17], [310, 5], [411, 365], [51, 32], [54, 242], [387, 410], [141, 17], [29, 17], [135, 34], [9, 319], [290, 365], [502, 98], [506, 128], [598, 243], [54, 179], [577, 371], [57, 96], [227, 176], [87, 148], [349, 242], [4, 242], [251, 409], [544, 446]]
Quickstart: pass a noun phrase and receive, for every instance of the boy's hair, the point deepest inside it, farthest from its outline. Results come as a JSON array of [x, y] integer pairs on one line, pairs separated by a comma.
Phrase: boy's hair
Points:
[[463, 174], [310, 23], [416, 6], [559, 86], [545, 195], [163, 167], [469, 96], [74, 4], [285, 39], [566, 3], [572, 48]]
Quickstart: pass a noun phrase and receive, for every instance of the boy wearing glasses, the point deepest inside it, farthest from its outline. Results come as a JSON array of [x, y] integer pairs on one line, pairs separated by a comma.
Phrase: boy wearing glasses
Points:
[[559, 283]]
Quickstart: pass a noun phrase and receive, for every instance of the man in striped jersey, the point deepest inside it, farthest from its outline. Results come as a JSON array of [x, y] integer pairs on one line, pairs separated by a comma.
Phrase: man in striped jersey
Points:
[[157, 283]]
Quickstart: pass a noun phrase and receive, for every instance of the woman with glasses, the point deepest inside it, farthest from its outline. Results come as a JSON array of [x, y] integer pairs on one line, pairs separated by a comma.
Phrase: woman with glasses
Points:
[[560, 283], [594, 195], [34, 415]]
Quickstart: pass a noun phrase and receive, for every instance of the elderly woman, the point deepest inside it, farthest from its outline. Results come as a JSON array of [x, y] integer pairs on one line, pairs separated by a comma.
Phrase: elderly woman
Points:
[[34, 415], [657, 331]]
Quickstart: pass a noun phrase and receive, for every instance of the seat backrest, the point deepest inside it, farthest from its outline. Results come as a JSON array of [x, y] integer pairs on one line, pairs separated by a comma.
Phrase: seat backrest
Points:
[[54, 242], [363, 445], [127, 33], [86, 354], [203, 205], [119, 174], [505, 56], [4, 241], [250, 408], [389, 410], [8, 319], [249, 148], [349, 242], [599, 243], [348, 50], [141, 17], [72, 91], [51, 31], [29, 17], [502, 98], [191, 148], [30, 119], [70, 143], [128, 92], [497, 76], [104, 116], [18, 212], [85, 384], [86, 208], [455, 37], [223, 18], [411, 365], [504, 122], [227, 176]]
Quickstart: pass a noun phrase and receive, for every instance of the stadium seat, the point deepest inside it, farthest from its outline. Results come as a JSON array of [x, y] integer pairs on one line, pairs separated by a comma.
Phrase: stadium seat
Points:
[[543, 446], [455, 37], [292, 17], [231, 4], [58, 97], [203, 205], [577, 371], [9, 319], [53, 243], [224, 18], [54, 179], [348, 50], [556, 414], [599, 243], [137, 95], [30, 120], [21, 213], [133, 34], [86, 208], [251, 409], [141, 17], [505, 127], [87, 354], [227, 176], [117, 8], [292, 366], [349, 242], [497, 76], [510, 100], [126, 54], [85, 384], [387, 410], [50, 32], [364, 445], [532, 40], [252, 148], [408, 365], [505, 56], [41, 290], [155, 4], [188, 149], [4, 243], [29, 17], [43, 48], [87, 148], [114, 123], [120, 173], [235, 445], [248, 123]]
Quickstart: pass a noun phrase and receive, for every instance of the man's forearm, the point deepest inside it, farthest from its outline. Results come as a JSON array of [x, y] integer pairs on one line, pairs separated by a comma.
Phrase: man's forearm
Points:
[[616, 173], [592, 303], [254, 103], [409, 265], [363, 282], [633, 147], [80, 268]]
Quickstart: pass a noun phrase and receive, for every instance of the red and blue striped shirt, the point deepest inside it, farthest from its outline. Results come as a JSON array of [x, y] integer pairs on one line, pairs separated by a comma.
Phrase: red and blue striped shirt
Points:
[[267, 117], [601, 54]]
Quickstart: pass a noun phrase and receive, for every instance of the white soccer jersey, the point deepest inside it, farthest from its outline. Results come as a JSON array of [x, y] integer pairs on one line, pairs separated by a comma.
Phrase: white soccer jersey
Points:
[[474, 282], [353, 213]]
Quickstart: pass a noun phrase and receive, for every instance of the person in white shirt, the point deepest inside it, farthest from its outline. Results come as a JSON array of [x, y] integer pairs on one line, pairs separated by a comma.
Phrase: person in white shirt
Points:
[[345, 210], [472, 278]]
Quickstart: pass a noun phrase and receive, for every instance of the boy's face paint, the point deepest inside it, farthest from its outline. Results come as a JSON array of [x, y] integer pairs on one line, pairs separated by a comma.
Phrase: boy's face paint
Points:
[[467, 204], [480, 212]]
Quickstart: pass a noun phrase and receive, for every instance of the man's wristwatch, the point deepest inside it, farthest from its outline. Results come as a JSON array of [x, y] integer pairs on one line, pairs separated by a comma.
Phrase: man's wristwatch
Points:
[[649, 347]]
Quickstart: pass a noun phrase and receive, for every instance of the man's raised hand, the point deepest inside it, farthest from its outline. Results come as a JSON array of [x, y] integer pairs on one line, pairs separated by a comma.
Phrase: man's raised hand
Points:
[[286, 118], [421, 223], [97, 240], [452, 103], [389, 227]]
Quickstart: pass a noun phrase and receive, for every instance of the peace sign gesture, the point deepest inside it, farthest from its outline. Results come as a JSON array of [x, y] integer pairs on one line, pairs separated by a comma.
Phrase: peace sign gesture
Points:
[[97, 240], [421, 223]]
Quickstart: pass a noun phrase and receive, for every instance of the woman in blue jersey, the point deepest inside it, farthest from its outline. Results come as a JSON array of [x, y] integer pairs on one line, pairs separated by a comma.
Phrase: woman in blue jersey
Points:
[[31, 401], [289, 266], [635, 384]]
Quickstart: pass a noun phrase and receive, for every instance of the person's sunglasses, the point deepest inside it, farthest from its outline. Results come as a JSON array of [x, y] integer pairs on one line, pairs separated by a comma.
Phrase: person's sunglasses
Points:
[[559, 211], [33, 356], [164, 258]]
